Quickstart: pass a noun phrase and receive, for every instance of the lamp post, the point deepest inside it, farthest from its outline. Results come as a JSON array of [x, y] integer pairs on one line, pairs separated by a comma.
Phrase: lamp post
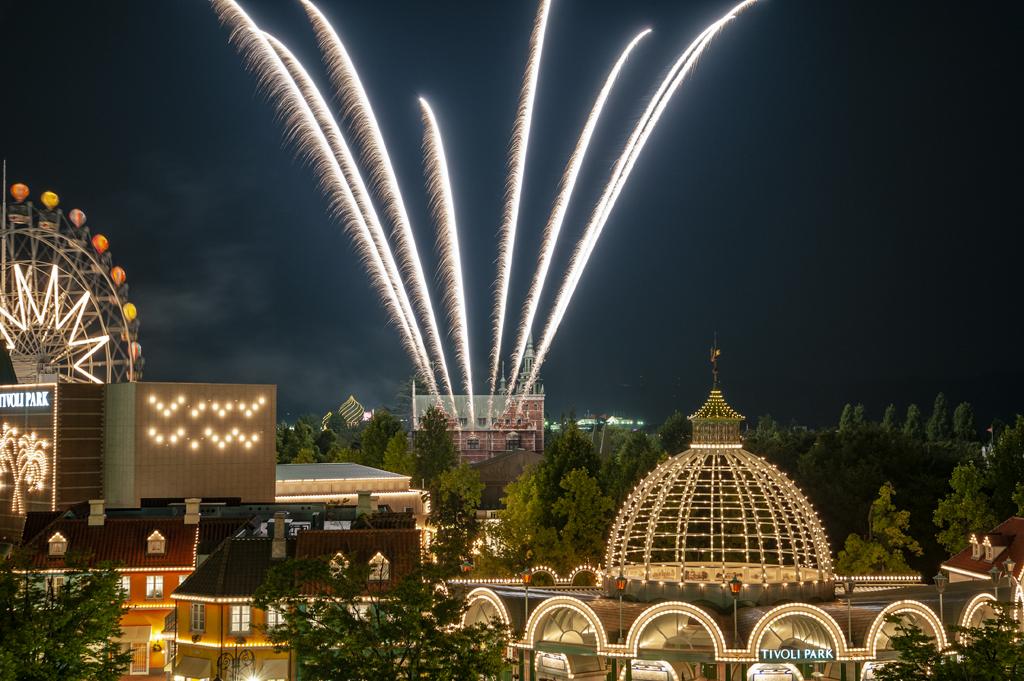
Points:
[[941, 580], [994, 574], [527, 576], [620, 586], [230, 666], [734, 586], [848, 588]]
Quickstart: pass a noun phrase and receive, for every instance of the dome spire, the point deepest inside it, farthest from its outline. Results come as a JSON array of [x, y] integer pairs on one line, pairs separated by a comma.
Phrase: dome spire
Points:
[[716, 424], [716, 352]]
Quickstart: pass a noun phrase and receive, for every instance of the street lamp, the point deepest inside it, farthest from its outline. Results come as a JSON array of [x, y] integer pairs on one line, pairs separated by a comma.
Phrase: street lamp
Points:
[[994, 574], [620, 586], [941, 580], [232, 665], [848, 588], [734, 586], [526, 576]]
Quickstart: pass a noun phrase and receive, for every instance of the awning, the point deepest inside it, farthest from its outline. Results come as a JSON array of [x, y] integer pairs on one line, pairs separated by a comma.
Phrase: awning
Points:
[[193, 668], [275, 669], [135, 634]]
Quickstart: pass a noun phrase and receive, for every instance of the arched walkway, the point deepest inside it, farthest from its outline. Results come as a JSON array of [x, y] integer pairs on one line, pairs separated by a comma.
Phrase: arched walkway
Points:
[[797, 629], [879, 638], [483, 605], [565, 620], [675, 626]]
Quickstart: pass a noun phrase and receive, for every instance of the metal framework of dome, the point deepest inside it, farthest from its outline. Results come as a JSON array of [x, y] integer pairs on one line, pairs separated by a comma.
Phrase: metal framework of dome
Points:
[[716, 512]]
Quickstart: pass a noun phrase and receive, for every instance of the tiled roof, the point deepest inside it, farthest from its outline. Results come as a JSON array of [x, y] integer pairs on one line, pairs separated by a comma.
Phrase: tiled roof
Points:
[[400, 547], [331, 471], [36, 522], [1010, 534], [121, 541], [212, 531], [235, 569]]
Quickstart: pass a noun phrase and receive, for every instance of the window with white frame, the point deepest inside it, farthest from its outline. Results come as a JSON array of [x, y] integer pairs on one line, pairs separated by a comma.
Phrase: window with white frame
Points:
[[126, 587], [197, 617], [275, 618], [380, 568], [58, 545], [156, 545], [241, 619], [154, 587]]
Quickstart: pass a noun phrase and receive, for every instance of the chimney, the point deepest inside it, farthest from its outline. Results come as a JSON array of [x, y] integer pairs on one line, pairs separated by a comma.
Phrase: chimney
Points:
[[192, 511], [96, 514], [364, 504], [277, 546]]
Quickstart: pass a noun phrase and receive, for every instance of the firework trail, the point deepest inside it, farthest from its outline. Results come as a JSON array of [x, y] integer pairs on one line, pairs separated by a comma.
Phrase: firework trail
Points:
[[356, 105], [442, 205], [306, 134], [514, 186], [554, 224], [620, 174]]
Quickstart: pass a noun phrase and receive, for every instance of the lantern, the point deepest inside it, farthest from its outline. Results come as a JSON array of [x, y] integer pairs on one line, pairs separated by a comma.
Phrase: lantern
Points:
[[77, 217], [118, 275], [50, 200], [19, 191], [735, 585], [130, 312], [527, 577], [100, 243]]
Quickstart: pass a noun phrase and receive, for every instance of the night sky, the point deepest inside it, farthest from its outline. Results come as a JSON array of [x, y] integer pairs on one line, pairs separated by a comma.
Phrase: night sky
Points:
[[835, 192]]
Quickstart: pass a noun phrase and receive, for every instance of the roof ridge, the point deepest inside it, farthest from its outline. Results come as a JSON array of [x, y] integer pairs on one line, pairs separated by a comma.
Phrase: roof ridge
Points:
[[225, 547]]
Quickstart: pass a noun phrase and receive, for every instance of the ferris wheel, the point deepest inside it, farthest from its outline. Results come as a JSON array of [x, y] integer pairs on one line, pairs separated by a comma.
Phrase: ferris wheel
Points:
[[65, 315]]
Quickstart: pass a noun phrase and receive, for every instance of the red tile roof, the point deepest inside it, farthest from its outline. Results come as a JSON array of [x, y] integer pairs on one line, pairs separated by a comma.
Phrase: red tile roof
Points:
[[1009, 534], [400, 547], [121, 541]]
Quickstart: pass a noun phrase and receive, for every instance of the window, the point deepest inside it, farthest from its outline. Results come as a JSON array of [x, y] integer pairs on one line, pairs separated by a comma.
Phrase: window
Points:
[[275, 618], [154, 587], [975, 548], [55, 584], [241, 617], [481, 421], [338, 563], [156, 545], [140, 658], [58, 545], [380, 568], [126, 586], [462, 421], [473, 443], [512, 441], [197, 617]]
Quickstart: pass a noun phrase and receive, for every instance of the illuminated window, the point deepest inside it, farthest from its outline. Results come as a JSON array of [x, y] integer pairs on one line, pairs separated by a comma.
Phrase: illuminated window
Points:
[[275, 618], [380, 568], [55, 584], [58, 545], [338, 562], [197, 617], [126, 586], [241, 619], [975, 548], [154, 587], [156, 545]]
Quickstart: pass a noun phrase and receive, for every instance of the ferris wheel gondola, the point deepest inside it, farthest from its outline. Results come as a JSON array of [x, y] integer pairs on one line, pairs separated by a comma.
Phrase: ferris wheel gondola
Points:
[[65, 314]]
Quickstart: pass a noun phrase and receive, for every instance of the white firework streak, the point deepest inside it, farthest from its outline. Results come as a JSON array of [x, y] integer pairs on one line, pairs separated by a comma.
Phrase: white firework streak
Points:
[[303, 130], [514, 187], [442, 205], [620, 174], [342, 153], [368, 138], [554, 224]]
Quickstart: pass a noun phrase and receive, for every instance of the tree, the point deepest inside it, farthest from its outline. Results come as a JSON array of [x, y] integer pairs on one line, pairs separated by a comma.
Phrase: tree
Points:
[[570, 450], [675, 433], [846, 419], [305, 455], [67, 633], [884, 549], [912, 424], [966, 509], [993, 651], [584, 512], [397, 457], [635, 458], [291, 439], [410, 631], [859, 417], [889, 418], [1006, 468], [374, 441], [519, 539], [434, 449], [963, 423], [937, 428], [454, 502]]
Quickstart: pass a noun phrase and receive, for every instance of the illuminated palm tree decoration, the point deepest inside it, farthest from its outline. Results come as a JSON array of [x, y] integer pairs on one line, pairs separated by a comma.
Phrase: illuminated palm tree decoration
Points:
[[23, 456]]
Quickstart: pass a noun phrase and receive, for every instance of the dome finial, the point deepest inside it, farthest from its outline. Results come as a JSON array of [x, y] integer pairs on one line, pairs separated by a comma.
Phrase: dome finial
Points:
[[716, 352]]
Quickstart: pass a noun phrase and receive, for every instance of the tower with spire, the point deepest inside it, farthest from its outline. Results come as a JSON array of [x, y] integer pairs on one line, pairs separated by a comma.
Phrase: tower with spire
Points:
[[527, 367]]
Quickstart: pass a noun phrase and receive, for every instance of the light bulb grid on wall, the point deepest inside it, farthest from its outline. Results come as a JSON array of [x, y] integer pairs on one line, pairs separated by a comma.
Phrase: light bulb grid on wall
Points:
[[220, 424], [24, 465], [720, 509]]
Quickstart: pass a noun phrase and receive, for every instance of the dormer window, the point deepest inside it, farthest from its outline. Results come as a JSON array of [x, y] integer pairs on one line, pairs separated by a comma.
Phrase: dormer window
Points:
[[988, 550], [975, 548], [380, 568], [58, 545], [156, 545], [338, 562]]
